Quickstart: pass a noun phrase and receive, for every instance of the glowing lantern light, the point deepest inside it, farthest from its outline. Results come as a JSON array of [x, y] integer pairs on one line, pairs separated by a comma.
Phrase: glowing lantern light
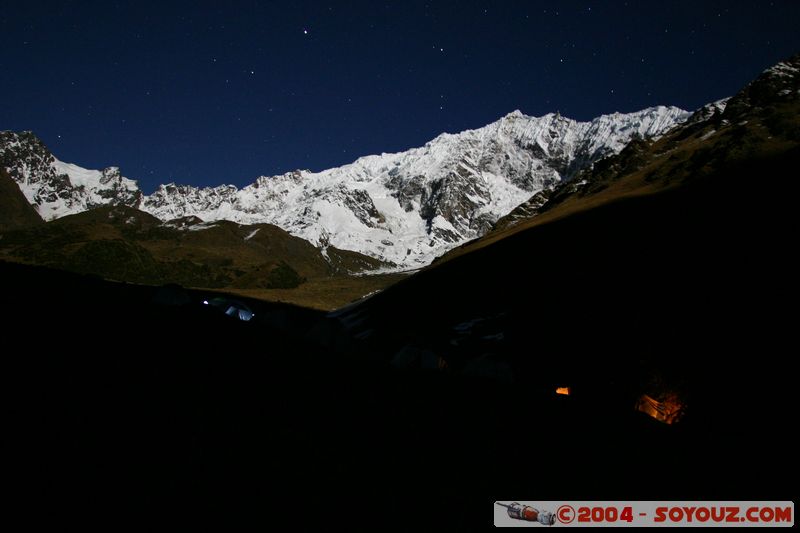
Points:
[[563, 390]]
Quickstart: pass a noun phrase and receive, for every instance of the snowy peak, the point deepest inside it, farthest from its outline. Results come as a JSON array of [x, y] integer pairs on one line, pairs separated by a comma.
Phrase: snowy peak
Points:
[[778, 84], [55, 188], [784, 69], [708, 111]]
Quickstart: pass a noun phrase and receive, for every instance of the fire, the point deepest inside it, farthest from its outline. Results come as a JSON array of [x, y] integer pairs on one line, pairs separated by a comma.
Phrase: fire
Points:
[[669, 410], [563, 390]]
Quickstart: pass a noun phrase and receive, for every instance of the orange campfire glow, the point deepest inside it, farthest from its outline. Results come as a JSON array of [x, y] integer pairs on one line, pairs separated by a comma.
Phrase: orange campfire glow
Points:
[[563, 390], [669, 410]]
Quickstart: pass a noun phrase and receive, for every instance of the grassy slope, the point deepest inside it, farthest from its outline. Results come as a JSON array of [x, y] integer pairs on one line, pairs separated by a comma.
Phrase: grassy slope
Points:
[[15, 211], [125, 244], [325, 294]]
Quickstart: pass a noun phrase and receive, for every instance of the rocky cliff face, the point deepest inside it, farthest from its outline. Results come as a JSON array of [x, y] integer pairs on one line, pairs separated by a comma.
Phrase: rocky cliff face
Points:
[[405, 208]]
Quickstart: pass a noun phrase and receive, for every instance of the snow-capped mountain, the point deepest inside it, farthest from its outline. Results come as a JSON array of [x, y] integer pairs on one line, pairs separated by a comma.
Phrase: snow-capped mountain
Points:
[[56, 189], [406, 207], [411, 206]]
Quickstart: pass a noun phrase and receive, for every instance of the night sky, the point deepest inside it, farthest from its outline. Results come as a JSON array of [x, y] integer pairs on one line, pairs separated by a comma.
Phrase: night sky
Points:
[[222, 92]]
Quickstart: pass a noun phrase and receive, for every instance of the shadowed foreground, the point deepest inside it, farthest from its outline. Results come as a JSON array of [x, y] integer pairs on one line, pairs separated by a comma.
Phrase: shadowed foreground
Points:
[[164, 404]]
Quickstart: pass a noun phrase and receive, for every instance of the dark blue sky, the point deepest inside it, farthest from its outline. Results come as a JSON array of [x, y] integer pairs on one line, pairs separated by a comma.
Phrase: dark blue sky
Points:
[[222, 92]]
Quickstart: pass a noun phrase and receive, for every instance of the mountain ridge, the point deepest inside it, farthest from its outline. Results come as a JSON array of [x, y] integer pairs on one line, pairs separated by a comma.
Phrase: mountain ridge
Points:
[[405, 207], [758, 121]]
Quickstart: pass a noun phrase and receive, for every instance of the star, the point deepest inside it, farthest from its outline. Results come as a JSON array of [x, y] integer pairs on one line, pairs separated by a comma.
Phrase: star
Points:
[[305, 31]]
